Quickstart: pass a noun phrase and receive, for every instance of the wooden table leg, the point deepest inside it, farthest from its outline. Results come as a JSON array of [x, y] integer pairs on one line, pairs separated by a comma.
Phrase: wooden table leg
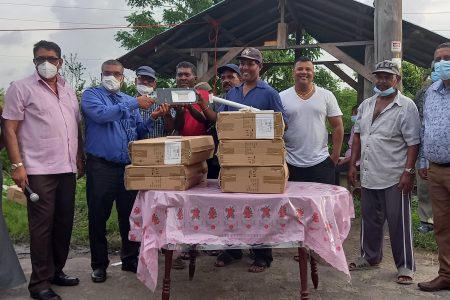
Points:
[[314, 273], [166, 281], [303, 267], [192, 259]]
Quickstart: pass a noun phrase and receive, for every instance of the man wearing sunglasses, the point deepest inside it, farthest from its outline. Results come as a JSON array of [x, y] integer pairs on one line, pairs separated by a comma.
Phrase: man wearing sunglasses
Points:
[[42, 137]]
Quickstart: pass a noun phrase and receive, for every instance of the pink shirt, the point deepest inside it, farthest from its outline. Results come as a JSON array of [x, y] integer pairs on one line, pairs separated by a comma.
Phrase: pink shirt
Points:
[[48, 131]]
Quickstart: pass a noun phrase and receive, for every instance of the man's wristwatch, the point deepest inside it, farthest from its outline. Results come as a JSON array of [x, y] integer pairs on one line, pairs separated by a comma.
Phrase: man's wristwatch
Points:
[[15, 166], [411, 171]]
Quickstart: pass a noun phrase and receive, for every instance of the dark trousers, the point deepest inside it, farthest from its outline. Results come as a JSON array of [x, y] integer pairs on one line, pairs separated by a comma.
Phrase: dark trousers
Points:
[[389, 204], [50, 222], [321, 173], [104, 184]]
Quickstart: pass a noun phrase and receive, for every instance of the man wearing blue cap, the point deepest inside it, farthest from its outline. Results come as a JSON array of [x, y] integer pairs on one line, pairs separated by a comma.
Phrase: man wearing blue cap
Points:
[[145, 84], [230, 76]]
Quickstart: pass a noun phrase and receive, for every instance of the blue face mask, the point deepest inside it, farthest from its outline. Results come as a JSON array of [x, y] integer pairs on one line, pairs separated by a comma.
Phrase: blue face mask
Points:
[[434, 76], [384, 93], [353, 118], [443, 69]]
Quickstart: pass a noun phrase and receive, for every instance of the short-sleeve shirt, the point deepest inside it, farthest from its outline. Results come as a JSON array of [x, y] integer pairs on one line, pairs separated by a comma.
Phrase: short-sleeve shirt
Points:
[[385, 141], [306, 137], [262, 96], [48, 131]]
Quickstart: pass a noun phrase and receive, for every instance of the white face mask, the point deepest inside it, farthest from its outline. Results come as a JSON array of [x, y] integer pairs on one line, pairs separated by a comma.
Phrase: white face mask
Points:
[[144, 90], [111, 83], [47, 70]]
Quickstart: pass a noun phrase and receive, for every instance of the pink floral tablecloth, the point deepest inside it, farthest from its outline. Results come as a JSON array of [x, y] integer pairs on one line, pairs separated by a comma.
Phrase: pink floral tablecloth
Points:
[[313, 215]]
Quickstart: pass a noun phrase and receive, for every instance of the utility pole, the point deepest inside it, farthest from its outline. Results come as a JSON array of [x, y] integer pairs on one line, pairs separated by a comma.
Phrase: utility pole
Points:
[[388, 31]]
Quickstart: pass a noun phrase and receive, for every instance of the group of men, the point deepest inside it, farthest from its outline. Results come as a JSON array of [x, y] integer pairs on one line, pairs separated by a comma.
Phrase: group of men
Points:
[[43, 138]]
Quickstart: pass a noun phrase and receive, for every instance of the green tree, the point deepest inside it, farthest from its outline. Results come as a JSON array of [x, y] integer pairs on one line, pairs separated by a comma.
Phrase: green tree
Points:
[[174, 12], [413, 78], [72, 70]]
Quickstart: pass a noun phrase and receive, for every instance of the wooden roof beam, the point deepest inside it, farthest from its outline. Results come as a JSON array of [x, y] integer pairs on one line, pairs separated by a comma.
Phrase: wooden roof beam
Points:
[[222, 61], [349, 61], [342, 75]]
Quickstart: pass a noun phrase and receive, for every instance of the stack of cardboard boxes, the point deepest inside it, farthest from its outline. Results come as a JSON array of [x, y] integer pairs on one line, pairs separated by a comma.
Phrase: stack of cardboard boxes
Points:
[[168, 163], [252, 152]]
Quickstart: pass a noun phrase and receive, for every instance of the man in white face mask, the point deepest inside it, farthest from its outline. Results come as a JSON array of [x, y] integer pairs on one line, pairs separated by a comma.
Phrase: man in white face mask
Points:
[[112, 121], [42, 137], [145, 84]]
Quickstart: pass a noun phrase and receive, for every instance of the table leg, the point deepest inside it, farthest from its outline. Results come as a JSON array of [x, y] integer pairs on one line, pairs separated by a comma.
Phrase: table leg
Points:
[[166, 281], [303, 266], [192, 260], [314, 273]]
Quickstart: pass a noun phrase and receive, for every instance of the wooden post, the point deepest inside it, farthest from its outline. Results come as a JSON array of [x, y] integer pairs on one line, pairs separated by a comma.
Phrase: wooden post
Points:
[[282, 28], [202, 64], [388, 30], [369, 62]]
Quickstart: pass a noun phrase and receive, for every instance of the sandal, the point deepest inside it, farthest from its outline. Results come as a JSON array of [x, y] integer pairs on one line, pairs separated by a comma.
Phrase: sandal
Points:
[[178, 264], [224, 259], [405, 276], [362, 264], [258, 266], [184, 256]]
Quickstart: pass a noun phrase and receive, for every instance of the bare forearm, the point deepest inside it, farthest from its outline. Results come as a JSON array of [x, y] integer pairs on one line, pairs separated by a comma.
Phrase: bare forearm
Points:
[[356, 149], [80, 153], [210, 114], [337, 139], [168, 123], [411, 156], [12, 145]]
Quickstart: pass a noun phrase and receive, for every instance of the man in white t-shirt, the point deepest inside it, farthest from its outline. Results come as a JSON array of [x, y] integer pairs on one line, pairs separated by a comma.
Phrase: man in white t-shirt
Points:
[[308, 107]]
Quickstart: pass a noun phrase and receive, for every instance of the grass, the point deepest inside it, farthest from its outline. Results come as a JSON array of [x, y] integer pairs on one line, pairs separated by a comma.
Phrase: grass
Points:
[[17, 222]]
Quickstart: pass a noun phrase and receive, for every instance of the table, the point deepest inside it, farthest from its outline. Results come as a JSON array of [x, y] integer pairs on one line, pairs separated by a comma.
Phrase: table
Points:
[[312, 215]]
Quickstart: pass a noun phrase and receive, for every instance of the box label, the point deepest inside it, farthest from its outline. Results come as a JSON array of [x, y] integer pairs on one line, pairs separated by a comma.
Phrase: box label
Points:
[[172, 152], [264, 126]]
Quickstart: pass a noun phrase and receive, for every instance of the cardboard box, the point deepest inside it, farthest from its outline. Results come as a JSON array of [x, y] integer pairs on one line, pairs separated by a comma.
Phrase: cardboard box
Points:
[[185, 150], [235, 125], [265, 180], [165, 177], [16, 194], [251, 153]]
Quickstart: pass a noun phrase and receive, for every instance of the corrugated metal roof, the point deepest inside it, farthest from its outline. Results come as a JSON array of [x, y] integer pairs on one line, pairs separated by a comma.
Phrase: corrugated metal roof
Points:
[[252, 22]]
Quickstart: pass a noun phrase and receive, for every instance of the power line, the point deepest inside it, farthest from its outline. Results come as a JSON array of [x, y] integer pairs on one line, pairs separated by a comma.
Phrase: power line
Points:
[[75, 7], [102, 28], [55, 21]]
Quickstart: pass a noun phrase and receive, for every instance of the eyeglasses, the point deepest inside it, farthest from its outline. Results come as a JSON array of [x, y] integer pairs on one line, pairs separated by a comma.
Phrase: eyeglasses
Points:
[[115, 74], [41, 59], [144, 78]]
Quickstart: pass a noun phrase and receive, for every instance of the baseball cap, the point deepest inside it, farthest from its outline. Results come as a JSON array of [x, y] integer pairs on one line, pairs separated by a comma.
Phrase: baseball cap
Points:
[[230, 67], [251, 53], [146, 71], [387, 66]]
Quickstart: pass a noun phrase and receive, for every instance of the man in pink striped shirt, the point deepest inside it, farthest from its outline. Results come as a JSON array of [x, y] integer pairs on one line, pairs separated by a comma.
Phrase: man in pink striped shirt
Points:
[[41, 130]]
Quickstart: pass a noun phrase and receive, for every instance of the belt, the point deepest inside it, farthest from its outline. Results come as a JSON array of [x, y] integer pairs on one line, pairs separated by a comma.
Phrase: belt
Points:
[[444, 165], [104, 161]]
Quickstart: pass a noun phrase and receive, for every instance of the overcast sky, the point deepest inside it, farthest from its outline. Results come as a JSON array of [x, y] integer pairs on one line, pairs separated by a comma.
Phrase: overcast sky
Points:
[[95, 46]]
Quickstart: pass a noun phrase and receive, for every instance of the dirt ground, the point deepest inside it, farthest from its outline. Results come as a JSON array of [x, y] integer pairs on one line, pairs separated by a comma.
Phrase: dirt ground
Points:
[[280, 281]]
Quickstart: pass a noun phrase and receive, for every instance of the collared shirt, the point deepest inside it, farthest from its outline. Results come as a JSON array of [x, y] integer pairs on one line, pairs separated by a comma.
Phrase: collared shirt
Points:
[[435, 131], [48, 131], [105, 135], [385, 141], [262, 96]]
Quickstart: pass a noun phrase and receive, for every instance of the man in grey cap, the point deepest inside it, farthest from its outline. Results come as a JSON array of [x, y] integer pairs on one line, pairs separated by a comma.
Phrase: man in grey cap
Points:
[[145, 84], [386, 140]]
